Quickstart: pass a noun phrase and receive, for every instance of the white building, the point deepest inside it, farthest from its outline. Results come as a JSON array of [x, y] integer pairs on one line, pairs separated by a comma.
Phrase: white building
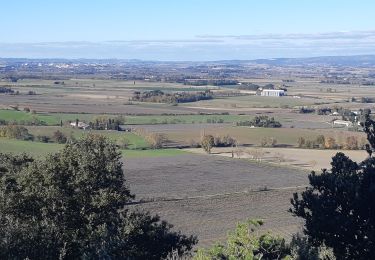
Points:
[[80, 125], [343, 123], [273, 93]]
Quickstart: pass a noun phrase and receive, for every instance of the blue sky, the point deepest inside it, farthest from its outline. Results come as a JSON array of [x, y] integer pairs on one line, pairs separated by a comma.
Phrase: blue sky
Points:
[[186, 29]]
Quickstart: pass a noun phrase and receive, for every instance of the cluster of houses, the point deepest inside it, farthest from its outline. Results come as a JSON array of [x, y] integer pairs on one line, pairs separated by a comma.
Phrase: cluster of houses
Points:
[[346, 123], [80, 125], [84, 126]]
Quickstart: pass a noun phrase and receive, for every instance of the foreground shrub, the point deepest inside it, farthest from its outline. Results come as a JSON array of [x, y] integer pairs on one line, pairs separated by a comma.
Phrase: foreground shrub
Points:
[[244, 243], [74, 205], [338, 206]]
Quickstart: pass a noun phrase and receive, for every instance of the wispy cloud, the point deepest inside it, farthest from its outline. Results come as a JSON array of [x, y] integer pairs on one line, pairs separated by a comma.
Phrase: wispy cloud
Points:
[[204, 47], [312, 36]]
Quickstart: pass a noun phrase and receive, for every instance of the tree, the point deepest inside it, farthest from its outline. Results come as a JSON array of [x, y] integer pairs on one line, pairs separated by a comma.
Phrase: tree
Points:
[[329, 143], [156, 140], [351, 143], [338, 206], [268, 142], [256, 154], [59, 137], [207, 143], [16, 132], [243, 243], [123, 143], [74, 205], [301, 142], [302, 249], [320, 140]]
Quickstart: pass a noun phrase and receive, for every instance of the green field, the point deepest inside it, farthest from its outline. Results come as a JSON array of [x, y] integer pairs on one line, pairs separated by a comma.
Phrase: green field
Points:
[[55, 118], [135, 141], [33, 148], [38, 149], [49, 119]]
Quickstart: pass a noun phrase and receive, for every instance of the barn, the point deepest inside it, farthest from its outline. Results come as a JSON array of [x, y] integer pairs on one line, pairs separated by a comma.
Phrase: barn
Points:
[[273, 93]]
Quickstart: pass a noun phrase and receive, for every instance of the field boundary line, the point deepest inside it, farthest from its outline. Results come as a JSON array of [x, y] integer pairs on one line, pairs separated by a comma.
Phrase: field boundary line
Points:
[[261, 189]]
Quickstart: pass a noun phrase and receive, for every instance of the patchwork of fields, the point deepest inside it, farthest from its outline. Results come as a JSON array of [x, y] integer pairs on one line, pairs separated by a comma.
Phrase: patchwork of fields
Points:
[[200, 194]]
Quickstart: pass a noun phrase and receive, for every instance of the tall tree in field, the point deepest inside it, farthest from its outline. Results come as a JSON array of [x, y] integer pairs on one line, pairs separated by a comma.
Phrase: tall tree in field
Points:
[[74, 205], [207, 143], [339, 208]]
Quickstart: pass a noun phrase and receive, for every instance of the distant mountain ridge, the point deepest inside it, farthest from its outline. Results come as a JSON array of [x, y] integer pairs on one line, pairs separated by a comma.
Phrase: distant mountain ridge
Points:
[[357, 60], [348, 61]]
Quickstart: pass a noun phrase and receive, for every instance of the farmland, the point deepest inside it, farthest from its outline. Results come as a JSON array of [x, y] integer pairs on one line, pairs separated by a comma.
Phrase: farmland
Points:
[[303, 159], [54, 119], [210, 202], [199, 193], [33, 148], [38, 149], [135, 141], [211, 218]]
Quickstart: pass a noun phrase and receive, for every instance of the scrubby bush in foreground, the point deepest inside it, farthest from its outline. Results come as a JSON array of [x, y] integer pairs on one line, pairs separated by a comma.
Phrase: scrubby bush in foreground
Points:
[[244, 243]]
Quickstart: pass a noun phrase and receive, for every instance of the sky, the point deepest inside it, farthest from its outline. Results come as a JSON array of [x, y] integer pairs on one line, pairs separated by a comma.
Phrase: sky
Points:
[[186, 29]]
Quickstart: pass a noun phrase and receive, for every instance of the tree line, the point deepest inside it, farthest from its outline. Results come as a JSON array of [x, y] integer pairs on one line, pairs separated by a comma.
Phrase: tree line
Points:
[[6, 90], [261, 121], [323, 142], [158, 96]]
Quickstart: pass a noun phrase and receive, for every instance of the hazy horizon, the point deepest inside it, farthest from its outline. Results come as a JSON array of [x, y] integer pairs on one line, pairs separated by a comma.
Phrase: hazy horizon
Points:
[[186, 30]]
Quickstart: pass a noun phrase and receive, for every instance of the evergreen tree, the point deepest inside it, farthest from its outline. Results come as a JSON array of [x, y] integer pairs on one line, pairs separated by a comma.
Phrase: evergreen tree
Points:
[[338, 206], [74, 204]]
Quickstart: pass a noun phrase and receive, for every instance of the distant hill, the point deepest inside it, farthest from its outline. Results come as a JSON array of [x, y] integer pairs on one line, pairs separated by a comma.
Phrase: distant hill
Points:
[[355, 61]]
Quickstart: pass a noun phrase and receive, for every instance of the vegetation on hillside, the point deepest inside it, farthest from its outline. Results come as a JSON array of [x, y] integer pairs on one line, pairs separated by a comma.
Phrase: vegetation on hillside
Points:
[[73, 204]]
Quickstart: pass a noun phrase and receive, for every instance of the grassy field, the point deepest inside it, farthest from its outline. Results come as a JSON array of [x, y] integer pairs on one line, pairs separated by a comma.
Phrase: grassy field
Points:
[[56, 118], [135, 141], [49, 119], [33, 148], [38, 149]]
